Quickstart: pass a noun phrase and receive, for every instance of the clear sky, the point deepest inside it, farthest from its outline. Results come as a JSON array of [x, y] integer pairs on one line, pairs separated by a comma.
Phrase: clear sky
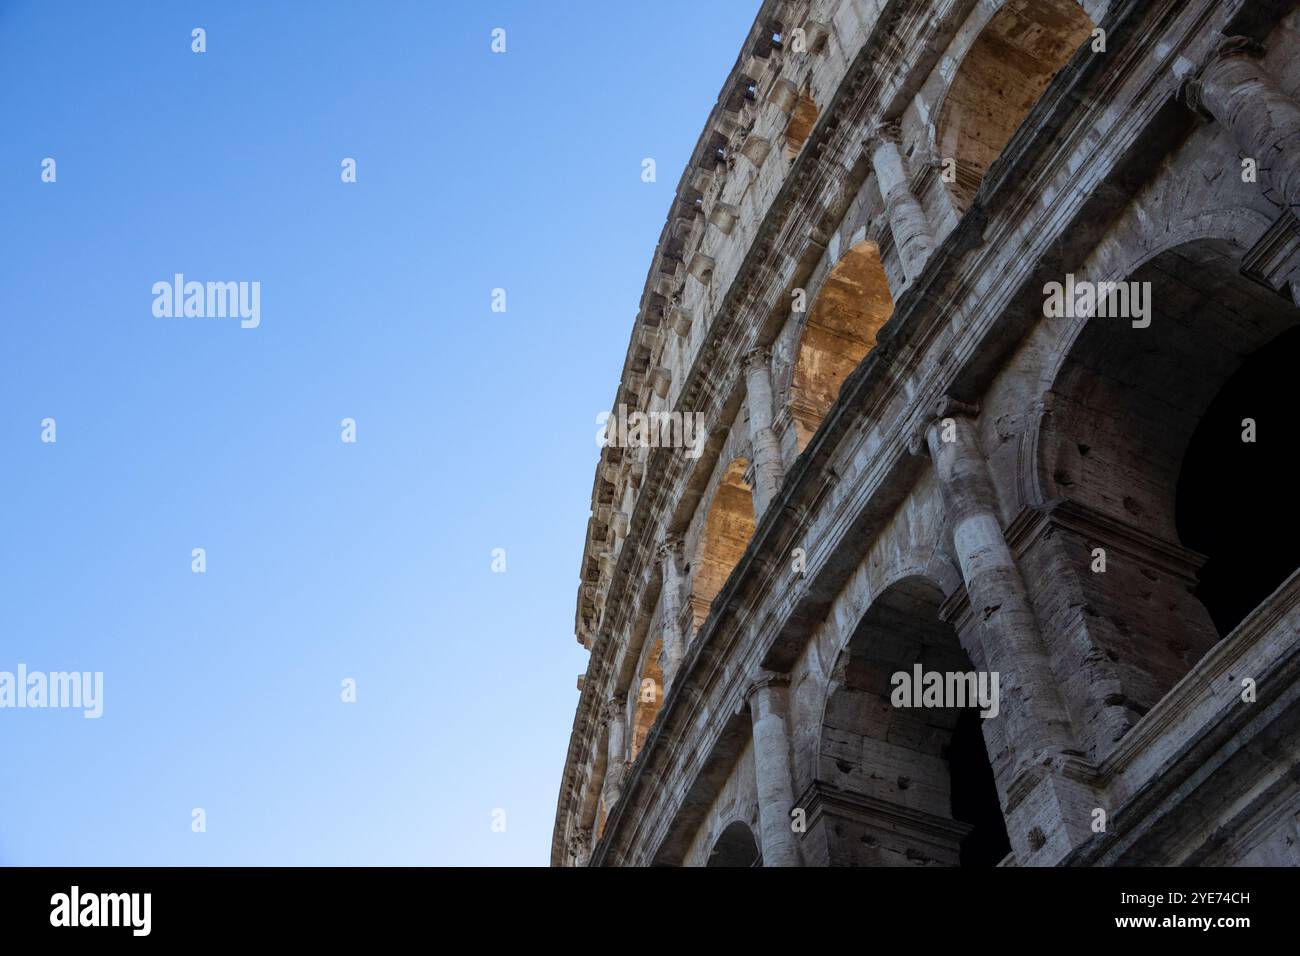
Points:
[[325, 560]]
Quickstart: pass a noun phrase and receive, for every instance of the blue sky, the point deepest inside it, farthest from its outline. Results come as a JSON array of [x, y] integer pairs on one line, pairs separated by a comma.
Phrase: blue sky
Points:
[[325, 560]]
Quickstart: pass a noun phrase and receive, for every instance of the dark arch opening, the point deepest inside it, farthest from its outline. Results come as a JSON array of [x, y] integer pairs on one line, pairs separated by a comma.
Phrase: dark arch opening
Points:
[[735, 847], [1132, 442], [1233, 494], [904, 785], [975, 794]]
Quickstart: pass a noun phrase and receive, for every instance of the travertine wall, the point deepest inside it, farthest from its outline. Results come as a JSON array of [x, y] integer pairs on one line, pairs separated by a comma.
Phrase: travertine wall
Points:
[[850, 292]]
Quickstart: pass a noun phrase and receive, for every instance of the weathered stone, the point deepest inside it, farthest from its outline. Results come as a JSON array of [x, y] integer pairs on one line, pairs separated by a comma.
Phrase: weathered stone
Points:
[[914, 466]]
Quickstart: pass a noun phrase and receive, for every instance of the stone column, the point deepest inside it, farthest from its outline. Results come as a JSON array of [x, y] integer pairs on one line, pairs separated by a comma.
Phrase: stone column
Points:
[[907, 219], [767, 710], [670, 604], [1037, 726], [616, 754], [1234, 89], [768, 471]]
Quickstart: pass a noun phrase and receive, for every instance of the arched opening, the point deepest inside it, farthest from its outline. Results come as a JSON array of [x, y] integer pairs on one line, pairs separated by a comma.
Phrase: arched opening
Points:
[[1143, 440], [851, 306], [727, 529], [904, 782], [1233, 493], [736, 846], [1006, 69], [650, 695], [802, 120]]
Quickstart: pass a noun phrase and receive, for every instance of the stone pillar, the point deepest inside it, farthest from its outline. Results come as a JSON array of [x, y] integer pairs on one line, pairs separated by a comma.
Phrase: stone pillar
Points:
[[670, 605], [767, 709], [615, 716], [1047, 788], [1234, 89], [1037, 726], [907, 219], [768, 471]]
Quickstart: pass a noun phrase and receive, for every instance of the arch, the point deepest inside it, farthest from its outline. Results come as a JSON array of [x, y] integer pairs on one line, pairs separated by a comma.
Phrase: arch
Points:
[[728, 526], [735, 846], [1126, 401], [1229, 489], [1229, 232], [1142, 441], [649, 697], [851, 306], [900, 784], [1006, 69], [802, 120]]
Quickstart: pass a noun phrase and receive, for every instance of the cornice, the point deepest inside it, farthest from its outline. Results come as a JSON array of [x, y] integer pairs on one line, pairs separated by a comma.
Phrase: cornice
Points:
[[1094, 526]]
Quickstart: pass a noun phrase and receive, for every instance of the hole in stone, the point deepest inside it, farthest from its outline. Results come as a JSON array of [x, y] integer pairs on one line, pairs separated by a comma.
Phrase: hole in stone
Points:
[[1036, 839]]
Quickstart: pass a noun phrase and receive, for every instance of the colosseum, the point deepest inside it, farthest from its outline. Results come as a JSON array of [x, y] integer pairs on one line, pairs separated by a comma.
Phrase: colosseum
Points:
[[985, 311]]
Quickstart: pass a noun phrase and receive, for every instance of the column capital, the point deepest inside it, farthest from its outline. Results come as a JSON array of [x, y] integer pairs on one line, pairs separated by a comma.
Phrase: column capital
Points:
[[1236, 89], [949, 407], [945, 407], [1234, 45], [760, 356], [887, 131], [1227, 47], [669, 549], [612, 709], [764, 679]]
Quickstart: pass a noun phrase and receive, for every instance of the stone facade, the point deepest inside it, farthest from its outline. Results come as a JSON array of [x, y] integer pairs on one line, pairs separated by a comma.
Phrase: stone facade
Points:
[[912, 460]]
